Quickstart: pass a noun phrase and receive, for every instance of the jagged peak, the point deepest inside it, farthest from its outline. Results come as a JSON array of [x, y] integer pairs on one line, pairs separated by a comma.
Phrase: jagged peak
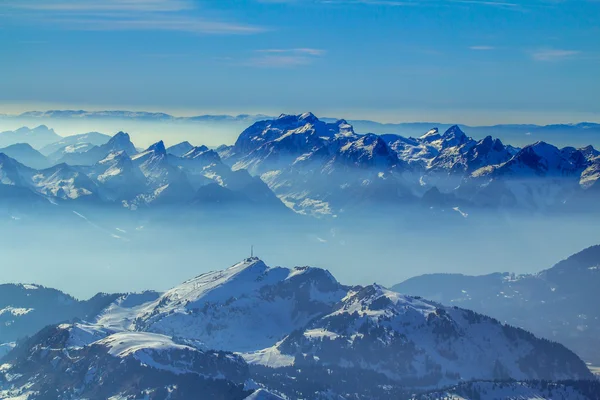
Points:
[[119, 136], [307, 116], [304, 117], [498, 145], [344, 127], [488, 140], [454, 131], [158, 148], [489, 143]]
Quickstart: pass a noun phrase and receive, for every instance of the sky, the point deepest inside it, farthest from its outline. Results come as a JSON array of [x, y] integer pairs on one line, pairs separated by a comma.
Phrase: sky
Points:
[[469, 61]]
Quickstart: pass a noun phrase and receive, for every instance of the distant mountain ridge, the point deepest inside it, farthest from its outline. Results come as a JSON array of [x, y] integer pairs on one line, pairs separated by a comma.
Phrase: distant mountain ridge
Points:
[[37, 137], [579, 134], [558, 303], [409, 128], [143, 115]]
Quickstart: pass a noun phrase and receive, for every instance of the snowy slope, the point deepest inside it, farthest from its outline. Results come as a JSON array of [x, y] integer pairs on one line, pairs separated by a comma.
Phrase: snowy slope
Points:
[[420, 343], [71, 143], [25, 309], [558, 303], [60, 182], [515, 391], [164, 181], [118, 177], [246, 307], [55, 363], [121, 142]]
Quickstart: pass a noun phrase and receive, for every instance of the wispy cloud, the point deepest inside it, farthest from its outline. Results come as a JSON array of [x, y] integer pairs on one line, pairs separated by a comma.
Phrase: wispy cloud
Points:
[[306, 51], [102, 5], [169, 15], [403, 3], [281, 58], [554, 54], [481, 48]]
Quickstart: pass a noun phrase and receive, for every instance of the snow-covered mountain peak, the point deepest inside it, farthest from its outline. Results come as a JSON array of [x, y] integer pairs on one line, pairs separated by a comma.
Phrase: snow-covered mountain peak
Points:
[[309, 117], [157, 151], [544, 158], [344, 128], [250, 263], [375, 300], [431, 135], [239, 277], [368, 150], [454, 136], [296, 133], [248, 306]]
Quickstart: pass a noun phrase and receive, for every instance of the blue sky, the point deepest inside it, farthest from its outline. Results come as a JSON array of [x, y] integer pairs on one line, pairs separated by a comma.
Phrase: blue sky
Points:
[[436, 60]]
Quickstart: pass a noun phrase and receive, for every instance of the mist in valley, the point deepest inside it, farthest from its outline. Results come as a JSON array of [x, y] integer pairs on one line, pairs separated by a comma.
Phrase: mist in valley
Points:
[[88, 251]]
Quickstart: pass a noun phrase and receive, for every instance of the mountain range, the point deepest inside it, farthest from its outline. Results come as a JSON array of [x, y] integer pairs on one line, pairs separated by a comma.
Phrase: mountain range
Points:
[[322, 168], [314, 167], [115, 173], [253, 331]]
